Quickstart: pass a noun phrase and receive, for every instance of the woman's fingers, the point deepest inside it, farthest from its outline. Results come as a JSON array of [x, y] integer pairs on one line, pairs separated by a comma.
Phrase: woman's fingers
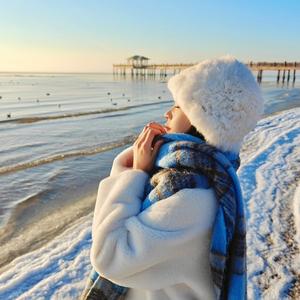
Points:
[[149, 138], [151, 125], [157, 126], [143, 152]]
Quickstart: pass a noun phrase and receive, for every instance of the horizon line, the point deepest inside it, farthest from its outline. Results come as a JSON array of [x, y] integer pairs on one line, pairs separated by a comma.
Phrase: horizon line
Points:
[[54, 72]]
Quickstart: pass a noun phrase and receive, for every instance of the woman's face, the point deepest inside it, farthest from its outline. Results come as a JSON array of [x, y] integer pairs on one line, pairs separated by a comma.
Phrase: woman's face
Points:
[[177, 121]]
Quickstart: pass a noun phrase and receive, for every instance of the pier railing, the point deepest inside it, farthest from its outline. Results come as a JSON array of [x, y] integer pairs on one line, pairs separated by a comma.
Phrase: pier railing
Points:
[[272, 65]]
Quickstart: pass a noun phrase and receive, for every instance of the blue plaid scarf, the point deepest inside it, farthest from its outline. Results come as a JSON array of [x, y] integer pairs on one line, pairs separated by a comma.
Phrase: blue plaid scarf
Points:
[[184, 161]]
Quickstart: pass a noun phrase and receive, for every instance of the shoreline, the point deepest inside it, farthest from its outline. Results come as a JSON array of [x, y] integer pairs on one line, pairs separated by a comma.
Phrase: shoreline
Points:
[[41, 229], [269, 177], [31, 226], [45, 266], [19, 240]]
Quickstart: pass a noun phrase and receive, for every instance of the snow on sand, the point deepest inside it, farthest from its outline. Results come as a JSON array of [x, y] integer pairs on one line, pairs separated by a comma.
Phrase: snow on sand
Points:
[[269, 176]]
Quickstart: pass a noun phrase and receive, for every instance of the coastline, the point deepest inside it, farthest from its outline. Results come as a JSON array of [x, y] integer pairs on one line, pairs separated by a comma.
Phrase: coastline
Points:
[[18, 240], [32, 222], [269, 176], [57, 265]]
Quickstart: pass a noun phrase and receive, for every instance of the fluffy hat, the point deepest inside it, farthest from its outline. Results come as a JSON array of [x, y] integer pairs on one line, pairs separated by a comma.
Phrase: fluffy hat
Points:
[[221, 99]]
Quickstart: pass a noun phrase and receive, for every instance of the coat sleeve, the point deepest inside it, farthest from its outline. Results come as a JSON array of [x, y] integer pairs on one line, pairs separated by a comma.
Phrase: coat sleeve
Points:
[[123, 161], [127, 242]]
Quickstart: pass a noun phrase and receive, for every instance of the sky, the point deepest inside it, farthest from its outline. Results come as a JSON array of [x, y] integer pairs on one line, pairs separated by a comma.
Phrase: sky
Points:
[[91, 35]]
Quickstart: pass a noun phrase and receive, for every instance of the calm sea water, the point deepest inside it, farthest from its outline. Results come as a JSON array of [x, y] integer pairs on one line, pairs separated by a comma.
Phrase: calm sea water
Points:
[[60, 132]]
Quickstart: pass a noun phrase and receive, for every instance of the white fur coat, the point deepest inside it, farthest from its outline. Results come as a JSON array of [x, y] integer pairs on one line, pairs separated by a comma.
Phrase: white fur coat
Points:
[[162, 252]]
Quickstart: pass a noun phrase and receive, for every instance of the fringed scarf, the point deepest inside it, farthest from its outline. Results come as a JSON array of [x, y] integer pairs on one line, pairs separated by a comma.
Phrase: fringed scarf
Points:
[[184, 161]]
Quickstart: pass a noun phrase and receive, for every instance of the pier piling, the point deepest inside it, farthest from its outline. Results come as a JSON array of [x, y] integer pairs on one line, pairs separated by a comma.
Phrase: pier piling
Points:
[[259, 76], [278, 75], [283, 76]]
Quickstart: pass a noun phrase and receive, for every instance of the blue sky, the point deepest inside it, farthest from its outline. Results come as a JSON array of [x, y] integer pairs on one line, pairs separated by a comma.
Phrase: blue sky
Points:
[[90, 35]]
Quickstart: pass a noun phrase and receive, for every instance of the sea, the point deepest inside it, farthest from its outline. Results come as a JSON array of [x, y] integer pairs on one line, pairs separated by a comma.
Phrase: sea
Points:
[[59, 134]]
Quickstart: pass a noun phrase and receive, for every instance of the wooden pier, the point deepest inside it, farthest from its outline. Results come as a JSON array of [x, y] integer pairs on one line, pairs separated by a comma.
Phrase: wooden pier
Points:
[[284, 68], [150, 70], [138, 66]]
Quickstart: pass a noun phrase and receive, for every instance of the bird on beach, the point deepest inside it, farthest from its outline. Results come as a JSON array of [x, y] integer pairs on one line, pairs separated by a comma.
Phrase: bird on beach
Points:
[[159, 97], [0, 97], [128, 100], [108, 93], [123, 95], [48, 94], [9, 115], [19, 98], [114, 103], [59, 105], [37, 100]]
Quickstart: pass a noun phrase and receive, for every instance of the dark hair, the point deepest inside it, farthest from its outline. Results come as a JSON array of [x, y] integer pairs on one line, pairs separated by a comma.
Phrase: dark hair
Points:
[[193, 131]]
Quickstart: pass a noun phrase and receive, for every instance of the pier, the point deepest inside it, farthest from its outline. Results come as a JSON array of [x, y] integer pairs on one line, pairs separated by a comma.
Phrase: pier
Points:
[[284, 69], [138, 66]]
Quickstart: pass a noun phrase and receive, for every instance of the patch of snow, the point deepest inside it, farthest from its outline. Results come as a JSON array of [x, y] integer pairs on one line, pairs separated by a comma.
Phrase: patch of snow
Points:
[[56, 271], [297, 212], [268, 174]]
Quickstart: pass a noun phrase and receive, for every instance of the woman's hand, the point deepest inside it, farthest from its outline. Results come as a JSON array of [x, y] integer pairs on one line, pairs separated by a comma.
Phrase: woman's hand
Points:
[[143, 152]]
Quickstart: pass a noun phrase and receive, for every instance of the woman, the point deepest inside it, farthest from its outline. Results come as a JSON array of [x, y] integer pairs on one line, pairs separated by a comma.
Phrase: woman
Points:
[[169, 220]]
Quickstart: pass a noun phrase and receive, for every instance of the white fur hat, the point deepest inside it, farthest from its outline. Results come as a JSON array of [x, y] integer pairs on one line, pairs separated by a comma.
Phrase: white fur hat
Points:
[[221, 99]]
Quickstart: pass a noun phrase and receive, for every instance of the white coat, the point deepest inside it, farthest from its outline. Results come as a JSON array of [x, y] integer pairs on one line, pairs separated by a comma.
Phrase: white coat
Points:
[[161, 253]]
